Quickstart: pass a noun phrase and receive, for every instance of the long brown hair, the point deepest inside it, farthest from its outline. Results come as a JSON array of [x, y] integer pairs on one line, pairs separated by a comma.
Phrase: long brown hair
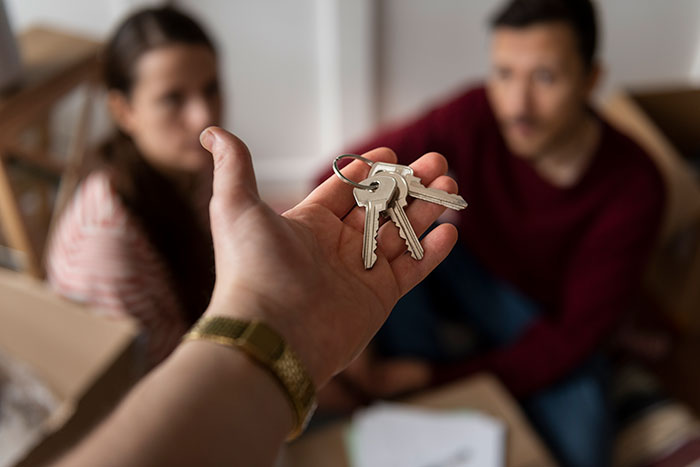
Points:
[[165, 214]]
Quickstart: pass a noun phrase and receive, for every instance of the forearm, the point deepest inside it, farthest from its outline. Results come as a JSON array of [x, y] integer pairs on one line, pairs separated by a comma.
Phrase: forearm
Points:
[[219, 406]]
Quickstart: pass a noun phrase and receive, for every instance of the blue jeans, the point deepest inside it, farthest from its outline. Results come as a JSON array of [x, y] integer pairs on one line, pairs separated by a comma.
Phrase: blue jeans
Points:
[[572, 416]]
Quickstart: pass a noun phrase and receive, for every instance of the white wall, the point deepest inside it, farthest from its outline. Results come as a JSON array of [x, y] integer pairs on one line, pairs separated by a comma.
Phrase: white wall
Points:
[[305, 77], [298, 78], [269, 63], [650, 41], [429, 48], [88, 17]]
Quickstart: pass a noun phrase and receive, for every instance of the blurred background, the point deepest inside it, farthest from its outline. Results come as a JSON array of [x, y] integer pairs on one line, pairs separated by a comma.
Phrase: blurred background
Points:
[[303, 80]]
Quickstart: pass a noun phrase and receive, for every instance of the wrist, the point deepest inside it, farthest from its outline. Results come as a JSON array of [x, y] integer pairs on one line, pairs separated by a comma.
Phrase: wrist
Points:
[[267, 348], [231, 386], [249, 306]]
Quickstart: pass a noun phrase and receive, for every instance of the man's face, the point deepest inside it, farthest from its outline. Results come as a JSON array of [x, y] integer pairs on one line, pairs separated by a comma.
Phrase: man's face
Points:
[[538, 86]]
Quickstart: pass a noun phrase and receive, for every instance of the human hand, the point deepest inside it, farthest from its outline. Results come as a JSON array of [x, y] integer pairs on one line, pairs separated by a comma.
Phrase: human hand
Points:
[[386, 378], [338, 398], [302, 272], [368, 378]]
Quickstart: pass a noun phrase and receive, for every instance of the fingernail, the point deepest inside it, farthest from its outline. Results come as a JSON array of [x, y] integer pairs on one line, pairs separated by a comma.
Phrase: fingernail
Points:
[[207, 138]]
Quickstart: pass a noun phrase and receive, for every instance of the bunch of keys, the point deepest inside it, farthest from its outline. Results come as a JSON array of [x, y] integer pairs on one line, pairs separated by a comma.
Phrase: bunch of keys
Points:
[[385, 192]]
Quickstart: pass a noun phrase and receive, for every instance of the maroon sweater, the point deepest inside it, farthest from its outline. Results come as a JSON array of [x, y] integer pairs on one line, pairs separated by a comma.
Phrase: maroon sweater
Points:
[[578, 252]]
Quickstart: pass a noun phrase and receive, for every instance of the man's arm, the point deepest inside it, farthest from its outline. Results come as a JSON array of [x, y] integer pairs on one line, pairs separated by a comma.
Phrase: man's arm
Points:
[[302, 274], [205, 405]]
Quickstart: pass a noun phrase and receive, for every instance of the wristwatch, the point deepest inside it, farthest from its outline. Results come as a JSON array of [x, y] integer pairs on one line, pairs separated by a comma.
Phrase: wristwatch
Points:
[[268, 349]]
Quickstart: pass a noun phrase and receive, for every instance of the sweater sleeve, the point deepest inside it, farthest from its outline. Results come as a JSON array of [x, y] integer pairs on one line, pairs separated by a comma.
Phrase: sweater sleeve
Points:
[[600, 284], [99, 256]]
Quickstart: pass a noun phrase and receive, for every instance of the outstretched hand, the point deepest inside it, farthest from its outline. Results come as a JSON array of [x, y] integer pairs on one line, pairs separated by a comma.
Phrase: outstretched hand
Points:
[[302, 272]]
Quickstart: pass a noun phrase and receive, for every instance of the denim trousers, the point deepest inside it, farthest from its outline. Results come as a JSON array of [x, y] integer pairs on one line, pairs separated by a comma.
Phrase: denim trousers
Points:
[[572, 416]]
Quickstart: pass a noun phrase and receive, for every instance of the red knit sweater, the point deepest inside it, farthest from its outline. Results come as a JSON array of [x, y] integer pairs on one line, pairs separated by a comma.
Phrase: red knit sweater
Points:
[[578, 252]]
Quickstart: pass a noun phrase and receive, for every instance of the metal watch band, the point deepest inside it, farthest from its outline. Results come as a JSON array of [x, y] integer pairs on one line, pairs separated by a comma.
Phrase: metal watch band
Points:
[[268, 348]]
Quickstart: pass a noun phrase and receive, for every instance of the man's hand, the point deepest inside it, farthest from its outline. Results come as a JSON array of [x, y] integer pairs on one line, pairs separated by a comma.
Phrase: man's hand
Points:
[[382, 378], [302, 272], [369, 378]]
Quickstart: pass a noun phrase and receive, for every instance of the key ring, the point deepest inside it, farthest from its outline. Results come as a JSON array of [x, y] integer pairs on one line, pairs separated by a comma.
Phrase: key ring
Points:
[[371, 187]]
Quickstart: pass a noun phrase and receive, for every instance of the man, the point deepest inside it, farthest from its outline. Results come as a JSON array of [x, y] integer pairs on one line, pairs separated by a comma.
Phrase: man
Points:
[[563, 213], [302, 275]]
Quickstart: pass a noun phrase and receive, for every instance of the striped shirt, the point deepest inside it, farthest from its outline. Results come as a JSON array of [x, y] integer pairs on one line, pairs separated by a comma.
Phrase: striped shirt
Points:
[[100, 255]]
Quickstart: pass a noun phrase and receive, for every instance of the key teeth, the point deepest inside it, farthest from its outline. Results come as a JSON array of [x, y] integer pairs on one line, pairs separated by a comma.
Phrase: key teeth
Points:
[[373, 254], [417, 255], [433, 195], [369, 262], [403, 235]]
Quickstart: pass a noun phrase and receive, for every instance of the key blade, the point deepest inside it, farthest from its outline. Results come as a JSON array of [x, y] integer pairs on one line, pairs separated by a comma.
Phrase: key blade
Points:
[[375, 202], [400, 219], [398, 215], [433, 195], [369, 241], [447, 200]]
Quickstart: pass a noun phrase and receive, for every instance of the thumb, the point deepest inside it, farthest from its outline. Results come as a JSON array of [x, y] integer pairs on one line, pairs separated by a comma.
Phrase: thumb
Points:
[[234, 186]]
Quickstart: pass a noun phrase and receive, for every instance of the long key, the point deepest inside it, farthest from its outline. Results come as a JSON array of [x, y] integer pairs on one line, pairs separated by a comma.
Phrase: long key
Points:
[[416, 188], [433, 195], [375, 202], [398, 215]]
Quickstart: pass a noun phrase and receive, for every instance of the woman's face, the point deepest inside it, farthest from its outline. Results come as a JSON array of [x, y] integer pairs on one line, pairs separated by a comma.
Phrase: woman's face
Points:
[[175, 95]]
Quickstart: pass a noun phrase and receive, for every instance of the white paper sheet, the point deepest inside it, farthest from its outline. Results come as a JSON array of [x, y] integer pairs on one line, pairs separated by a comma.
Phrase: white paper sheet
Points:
[[25, 404], [396, 435]]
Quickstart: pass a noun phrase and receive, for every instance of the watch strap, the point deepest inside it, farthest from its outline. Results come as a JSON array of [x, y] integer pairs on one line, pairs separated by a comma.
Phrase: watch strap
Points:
[[269, 350]]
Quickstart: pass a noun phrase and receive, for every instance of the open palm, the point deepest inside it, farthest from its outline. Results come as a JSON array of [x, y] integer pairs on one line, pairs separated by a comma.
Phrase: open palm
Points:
[[310, 257]]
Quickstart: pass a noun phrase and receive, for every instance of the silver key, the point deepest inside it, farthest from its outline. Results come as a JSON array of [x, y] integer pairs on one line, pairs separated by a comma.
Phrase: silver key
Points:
[[433, 195], [416, 188], [398, 215], [375, 202]]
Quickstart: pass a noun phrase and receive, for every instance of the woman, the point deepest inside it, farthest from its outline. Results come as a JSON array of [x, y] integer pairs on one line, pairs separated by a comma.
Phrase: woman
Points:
[[135, 238]]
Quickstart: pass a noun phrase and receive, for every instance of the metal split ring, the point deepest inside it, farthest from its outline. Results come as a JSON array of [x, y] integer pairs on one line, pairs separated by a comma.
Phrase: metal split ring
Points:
[[371, 187]]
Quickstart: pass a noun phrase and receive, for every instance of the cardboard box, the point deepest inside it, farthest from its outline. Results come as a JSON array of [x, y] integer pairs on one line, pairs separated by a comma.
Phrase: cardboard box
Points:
[[482, 392], [88, 361], [666, 122]]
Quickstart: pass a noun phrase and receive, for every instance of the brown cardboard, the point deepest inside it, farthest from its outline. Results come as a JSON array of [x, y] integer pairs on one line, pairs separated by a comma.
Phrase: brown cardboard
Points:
[[87, 360], [666, 122], [483, 392]]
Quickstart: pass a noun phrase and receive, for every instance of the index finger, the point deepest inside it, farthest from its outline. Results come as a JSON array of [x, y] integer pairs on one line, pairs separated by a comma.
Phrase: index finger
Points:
[[335, 194]]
